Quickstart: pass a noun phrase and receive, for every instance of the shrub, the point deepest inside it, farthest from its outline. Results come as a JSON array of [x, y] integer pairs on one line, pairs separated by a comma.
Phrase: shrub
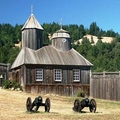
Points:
[[81, 94], [12, 84], [7, 84]]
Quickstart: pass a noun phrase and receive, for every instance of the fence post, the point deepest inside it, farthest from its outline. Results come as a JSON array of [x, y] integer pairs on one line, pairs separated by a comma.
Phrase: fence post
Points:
[[103, 74], [91, 85], [119, 73], [1, 80]]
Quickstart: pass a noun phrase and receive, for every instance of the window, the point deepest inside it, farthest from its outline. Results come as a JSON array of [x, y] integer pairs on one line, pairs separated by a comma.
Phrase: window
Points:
[[76, 75], [39, 74], [58, 75]]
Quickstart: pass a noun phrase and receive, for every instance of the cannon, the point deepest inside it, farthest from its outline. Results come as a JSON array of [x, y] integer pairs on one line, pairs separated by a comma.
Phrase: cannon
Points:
[[79, 105], [37, 103]]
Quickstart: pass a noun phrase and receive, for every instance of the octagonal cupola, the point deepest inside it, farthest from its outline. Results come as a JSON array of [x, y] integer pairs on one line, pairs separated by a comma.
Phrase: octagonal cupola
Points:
[[32, 33], [61, 40]]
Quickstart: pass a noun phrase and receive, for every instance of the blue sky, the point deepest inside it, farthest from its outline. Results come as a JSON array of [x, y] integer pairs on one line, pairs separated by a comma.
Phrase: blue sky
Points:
[[105, 13]]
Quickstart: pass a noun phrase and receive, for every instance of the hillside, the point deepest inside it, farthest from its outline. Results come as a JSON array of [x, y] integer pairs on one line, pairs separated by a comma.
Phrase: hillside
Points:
[[95, 39]]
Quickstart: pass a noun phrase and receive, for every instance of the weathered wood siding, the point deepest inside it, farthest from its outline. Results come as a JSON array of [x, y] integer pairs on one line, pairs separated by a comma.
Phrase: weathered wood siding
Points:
[[85, 75], [66, 87], [67, 75], [63, 90], [105, 85], [4, 71], [61, 44], [32, 38]]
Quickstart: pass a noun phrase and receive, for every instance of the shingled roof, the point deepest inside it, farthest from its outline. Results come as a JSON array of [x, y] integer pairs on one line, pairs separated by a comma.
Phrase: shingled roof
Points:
[[32, 23], [50, 56], [61, 33]]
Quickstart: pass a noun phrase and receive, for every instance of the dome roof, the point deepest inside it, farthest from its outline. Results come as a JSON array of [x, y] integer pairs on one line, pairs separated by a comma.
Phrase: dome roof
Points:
[[61, 34]]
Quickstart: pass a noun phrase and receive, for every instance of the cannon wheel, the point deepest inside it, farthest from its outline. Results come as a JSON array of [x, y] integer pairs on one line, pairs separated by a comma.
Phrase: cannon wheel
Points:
[[29, 104], [47, 105], [93, 105], [77, 105]]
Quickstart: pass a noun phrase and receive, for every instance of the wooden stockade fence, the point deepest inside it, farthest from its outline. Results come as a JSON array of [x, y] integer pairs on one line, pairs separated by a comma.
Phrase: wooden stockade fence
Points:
[[105, 85], [4, 70]]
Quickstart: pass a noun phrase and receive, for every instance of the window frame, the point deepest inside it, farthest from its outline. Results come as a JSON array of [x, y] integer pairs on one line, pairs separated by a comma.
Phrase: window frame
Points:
[[58, 76], [38, 76], [76, 74]]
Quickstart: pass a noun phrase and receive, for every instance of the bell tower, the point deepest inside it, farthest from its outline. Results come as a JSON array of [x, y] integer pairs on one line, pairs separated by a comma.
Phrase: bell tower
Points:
[[32, 33], [61, 40]]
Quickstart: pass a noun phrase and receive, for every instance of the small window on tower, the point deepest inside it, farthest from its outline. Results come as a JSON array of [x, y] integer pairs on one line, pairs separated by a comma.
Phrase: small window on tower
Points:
[[64, 40]]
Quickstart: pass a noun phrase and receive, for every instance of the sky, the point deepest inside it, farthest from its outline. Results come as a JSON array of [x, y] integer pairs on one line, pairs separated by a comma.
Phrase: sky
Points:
[[105, 13]]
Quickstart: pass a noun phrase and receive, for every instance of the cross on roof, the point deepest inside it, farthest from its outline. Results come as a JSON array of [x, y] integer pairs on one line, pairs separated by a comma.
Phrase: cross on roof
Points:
[[61, 23], [31, 9]]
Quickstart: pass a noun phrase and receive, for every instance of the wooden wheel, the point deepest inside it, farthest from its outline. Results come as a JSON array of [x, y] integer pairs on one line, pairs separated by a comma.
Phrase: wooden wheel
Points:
[[77, 106], [93, 105], [47, 105], [28, 104]]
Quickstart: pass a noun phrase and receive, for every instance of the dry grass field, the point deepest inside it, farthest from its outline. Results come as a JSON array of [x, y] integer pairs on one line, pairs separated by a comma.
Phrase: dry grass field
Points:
[[13, 107]]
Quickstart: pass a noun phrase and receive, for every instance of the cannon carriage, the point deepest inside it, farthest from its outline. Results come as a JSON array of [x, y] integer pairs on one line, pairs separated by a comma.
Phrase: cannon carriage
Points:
[[79, 105], [37, 103]]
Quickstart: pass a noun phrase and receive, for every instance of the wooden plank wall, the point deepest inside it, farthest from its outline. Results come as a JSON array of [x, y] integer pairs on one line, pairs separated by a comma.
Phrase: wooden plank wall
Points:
[[63, 90], [105, 85], [4, 68], [32, 38], [66, 87]]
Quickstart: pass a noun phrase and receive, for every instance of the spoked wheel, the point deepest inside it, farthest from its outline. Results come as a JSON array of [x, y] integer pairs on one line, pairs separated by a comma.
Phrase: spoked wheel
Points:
[[47, 105], [77, 106], [28, 104], [93, 105]]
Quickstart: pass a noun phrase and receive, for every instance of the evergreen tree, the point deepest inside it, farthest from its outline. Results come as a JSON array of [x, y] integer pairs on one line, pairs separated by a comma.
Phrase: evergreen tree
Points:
[[94, 29], [104, 56]]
